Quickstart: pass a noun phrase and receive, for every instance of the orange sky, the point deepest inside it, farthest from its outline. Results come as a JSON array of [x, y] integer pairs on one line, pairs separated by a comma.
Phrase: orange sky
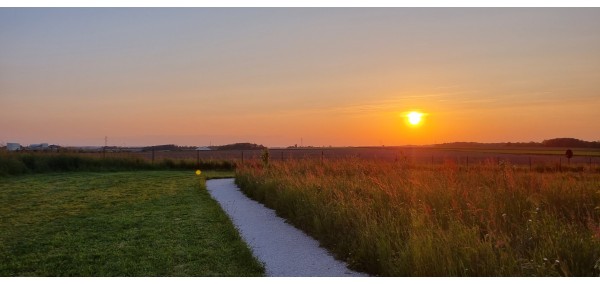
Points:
[[340, 77]]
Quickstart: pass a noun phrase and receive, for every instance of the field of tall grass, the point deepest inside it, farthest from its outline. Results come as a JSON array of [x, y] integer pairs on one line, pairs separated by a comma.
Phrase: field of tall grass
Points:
[[402, 219]]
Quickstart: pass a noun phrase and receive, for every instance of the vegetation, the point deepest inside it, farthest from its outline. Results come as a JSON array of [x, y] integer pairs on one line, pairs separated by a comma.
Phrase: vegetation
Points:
[[555, 142], [240, 146], [531, 151], [265, 157], [117, 224], [168, 147], [23, 163], [402, 219], [570, 142]]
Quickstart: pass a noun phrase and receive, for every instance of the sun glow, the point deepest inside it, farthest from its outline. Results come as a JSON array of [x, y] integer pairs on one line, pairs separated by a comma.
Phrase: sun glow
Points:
[[414, 118]]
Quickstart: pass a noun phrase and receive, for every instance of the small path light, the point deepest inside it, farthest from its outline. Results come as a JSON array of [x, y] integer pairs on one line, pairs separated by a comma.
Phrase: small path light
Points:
[[198, 172]]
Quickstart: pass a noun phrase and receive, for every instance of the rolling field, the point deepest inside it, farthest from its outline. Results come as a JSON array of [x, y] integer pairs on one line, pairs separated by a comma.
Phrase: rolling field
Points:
[[143, 223], [408, 219], [538, 157]]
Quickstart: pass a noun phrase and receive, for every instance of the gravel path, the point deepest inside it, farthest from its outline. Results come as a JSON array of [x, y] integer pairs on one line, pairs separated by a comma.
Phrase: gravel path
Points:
[[284, 250]]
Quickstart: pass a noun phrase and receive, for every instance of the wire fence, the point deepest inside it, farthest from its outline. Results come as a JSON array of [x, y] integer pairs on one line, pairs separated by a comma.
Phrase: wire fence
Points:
[[590, 161], [414, 156]]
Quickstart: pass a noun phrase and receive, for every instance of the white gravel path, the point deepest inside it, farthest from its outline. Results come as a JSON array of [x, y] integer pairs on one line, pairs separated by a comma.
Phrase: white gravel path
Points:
[[284, 250]]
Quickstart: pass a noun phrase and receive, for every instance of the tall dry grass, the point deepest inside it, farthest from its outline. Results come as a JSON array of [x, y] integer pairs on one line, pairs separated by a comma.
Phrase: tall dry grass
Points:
[[401, 219]]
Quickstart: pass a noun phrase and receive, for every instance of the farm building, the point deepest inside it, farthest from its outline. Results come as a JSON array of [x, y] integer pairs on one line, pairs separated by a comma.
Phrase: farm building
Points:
[[203, 149], [41, 146], [13, 146]]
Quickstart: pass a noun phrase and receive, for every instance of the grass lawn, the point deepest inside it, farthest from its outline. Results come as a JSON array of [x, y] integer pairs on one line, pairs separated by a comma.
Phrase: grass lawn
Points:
[[145, 223]]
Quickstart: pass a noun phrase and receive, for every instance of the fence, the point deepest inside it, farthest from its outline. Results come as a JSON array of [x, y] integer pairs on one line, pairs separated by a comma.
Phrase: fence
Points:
[[421, 156]]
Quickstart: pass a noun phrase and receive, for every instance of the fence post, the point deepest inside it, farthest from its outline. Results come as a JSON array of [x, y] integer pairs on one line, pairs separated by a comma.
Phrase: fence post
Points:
[[560, 164], [153, 155], [321, 157], [282, 155], [529, 163], [242, 157], [198, 159]]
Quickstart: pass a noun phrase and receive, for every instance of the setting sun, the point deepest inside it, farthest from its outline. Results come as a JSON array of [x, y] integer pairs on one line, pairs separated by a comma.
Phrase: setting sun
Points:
[[315, 85], [414, 118]]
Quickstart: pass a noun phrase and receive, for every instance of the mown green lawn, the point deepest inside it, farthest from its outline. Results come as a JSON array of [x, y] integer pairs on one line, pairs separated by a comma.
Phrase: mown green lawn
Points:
[[145, 223]]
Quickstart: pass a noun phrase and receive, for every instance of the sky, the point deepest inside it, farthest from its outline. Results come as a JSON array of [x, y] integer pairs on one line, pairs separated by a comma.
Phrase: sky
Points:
[[310, 76]]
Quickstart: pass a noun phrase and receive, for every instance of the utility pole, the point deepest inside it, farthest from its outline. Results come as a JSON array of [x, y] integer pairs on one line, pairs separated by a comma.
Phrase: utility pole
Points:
[[105, 145]]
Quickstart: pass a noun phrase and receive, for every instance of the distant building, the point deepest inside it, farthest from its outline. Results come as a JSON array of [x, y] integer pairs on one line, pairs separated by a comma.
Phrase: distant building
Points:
[[203, 149], [54, 148], [36, 147], [13, 146]]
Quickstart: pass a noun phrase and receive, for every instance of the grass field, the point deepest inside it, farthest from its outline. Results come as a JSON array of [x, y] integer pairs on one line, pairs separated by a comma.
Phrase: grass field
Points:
[[144, 223], [529, 151], [542, 157], [405, 219]]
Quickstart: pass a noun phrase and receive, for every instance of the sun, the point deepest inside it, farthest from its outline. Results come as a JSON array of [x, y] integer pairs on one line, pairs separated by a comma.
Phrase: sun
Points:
[[414, 118]]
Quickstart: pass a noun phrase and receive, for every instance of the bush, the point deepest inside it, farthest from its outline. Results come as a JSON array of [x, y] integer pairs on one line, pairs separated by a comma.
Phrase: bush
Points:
[[11, 166]]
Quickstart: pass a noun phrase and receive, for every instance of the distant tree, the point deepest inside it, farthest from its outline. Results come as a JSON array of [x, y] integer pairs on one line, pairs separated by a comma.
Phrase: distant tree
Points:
[[569, 155], [168, 147], [570, 142], [241, 146]]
